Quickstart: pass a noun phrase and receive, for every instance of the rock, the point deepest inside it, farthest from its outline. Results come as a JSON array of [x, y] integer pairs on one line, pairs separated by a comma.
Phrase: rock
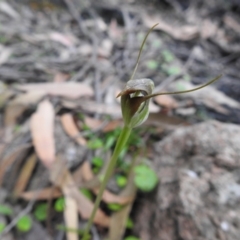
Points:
[[198, 197]]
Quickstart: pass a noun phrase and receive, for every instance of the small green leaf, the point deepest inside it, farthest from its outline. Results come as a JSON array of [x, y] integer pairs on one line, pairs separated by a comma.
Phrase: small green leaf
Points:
[[2, 227], [24, 224], [86, 193], [171, 71], [167, 56], [121, 181], [97, 162], [110, 142], [114, 206], [145, 178], [131, 238], [157, 43], [59, 204], [129, 223], [5, 210], [95, 143], [40, 212], [152, 64]]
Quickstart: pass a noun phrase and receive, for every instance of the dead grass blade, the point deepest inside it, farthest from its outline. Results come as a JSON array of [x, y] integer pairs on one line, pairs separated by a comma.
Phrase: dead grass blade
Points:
[[25, 175], [42, 129]]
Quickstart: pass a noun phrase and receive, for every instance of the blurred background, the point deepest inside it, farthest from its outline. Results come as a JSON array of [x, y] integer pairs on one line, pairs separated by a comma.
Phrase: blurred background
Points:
[[62, 64]]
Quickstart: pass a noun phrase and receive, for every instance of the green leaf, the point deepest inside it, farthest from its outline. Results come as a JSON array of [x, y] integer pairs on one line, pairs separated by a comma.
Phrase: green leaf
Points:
[[40, 212], [97, 162], [2, 227], [157, 43], [167, 56], [131, 238], [59, 204], [129, 223], [152, 64], [121, 181], [86, 193], [110, 142], [5, 210], [24, 224], [171, 71], [95, 143], [114, 206], [145, 178]]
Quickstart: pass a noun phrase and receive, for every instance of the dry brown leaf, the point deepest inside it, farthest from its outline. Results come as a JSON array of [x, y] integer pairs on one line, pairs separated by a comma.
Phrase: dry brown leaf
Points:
[[9, 159], [61, 77], [93, 123], [107, 197], [183, 33], [166, 101], [113, 125], [5, 53], [61, 177], [163, 120], [93, 107], [71, 129], [42, 129], [66, 40], [69, 90], [12, 113], [42, 194], [71, 217], [119, 218], [29, 98], [25, 175], [208, 29], [231, 22]]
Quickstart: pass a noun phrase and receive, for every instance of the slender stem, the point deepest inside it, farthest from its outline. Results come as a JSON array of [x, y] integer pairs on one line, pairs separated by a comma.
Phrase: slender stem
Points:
[[122, 139]]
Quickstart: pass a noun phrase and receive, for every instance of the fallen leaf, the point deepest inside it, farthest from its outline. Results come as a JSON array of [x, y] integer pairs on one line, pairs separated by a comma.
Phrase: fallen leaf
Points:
[[42, 129], [93, 107], [27, 99], [166, 101], [25, 175], [9, 10], [69, 90], [112, 125], [107, 197], [41, 194], [71, 217], [93, 123], [231, 22], [205, 95], [61, 77], [66, 40], [11, 158], [179, 32], [119, 218], [208, 29], [12, 113], [71, 129], [5, 53], [61, 177]]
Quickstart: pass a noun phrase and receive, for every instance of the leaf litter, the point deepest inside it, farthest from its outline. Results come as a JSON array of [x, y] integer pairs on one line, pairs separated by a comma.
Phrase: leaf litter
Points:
[[54, 70]]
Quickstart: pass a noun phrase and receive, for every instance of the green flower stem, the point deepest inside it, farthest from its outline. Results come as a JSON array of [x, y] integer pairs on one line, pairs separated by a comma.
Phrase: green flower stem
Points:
[[122, 140]]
